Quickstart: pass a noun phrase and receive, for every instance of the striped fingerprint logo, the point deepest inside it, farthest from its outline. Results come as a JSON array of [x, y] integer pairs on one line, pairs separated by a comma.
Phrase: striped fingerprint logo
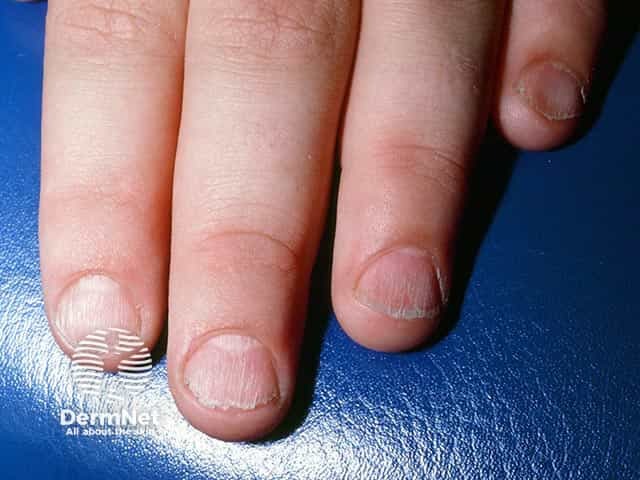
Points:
[[134, 368]]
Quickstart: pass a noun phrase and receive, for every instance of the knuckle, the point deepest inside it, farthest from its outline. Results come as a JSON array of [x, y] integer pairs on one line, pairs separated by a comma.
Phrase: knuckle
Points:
[[242, 250], [249, 31], [108, 28], [107, 198], [444, 170]]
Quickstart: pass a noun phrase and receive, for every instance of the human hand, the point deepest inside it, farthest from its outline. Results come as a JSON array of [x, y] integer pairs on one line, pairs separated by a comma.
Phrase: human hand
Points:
[[247, 97]]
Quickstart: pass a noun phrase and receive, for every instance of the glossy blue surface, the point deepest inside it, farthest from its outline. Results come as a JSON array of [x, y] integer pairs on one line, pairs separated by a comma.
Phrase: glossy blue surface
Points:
[[536, 376]]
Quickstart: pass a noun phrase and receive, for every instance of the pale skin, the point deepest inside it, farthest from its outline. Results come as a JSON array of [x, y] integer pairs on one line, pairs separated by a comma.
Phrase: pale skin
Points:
[[188, 151]]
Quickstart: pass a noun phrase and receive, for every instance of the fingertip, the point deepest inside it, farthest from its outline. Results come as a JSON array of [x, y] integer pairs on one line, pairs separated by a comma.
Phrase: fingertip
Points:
[[229, 386], [383, 333], [395, 303], [388, 335], [541, 107], [99, 311], [549, 54], [231, 425]]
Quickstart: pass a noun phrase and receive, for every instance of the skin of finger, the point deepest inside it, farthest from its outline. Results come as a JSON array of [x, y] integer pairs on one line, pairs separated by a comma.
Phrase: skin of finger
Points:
[[264, 82], [112, 85], [418, 105], [566, 32]]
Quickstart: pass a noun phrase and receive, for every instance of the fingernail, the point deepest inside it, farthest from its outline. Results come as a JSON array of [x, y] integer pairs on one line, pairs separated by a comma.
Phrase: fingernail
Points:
[[92, 303], [232, 371], [402, 284], [553, 90]]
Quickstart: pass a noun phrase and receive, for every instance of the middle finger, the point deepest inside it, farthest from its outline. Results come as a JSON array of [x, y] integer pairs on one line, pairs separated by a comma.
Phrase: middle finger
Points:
[[264, 83]]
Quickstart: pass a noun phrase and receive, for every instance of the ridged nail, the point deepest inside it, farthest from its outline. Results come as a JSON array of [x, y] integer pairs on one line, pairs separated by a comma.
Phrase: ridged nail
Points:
[[92, 303], [401, 284], [232, 371], [553, 90]]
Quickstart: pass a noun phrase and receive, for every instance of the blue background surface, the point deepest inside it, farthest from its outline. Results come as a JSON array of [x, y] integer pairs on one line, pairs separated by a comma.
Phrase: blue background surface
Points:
[[536, 374]]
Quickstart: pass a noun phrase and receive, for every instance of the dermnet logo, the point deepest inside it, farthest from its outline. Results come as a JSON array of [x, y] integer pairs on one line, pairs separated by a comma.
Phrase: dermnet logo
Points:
[[111, 390], [87, 364]]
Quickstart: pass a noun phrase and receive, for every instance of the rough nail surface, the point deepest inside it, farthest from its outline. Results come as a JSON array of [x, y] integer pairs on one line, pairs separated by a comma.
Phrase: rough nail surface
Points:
[[401, 284], [91, 303], [553, 90], [232, 371]]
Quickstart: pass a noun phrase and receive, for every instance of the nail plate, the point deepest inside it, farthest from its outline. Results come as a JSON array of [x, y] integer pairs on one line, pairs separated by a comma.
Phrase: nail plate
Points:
[[94, 302], [401, 284], [232, 371], [553, 90]]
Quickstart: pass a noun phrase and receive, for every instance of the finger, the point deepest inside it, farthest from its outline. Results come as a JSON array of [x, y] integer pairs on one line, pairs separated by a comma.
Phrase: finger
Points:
[[418, 104], [263, 89], [111, 108], [550, 53]]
